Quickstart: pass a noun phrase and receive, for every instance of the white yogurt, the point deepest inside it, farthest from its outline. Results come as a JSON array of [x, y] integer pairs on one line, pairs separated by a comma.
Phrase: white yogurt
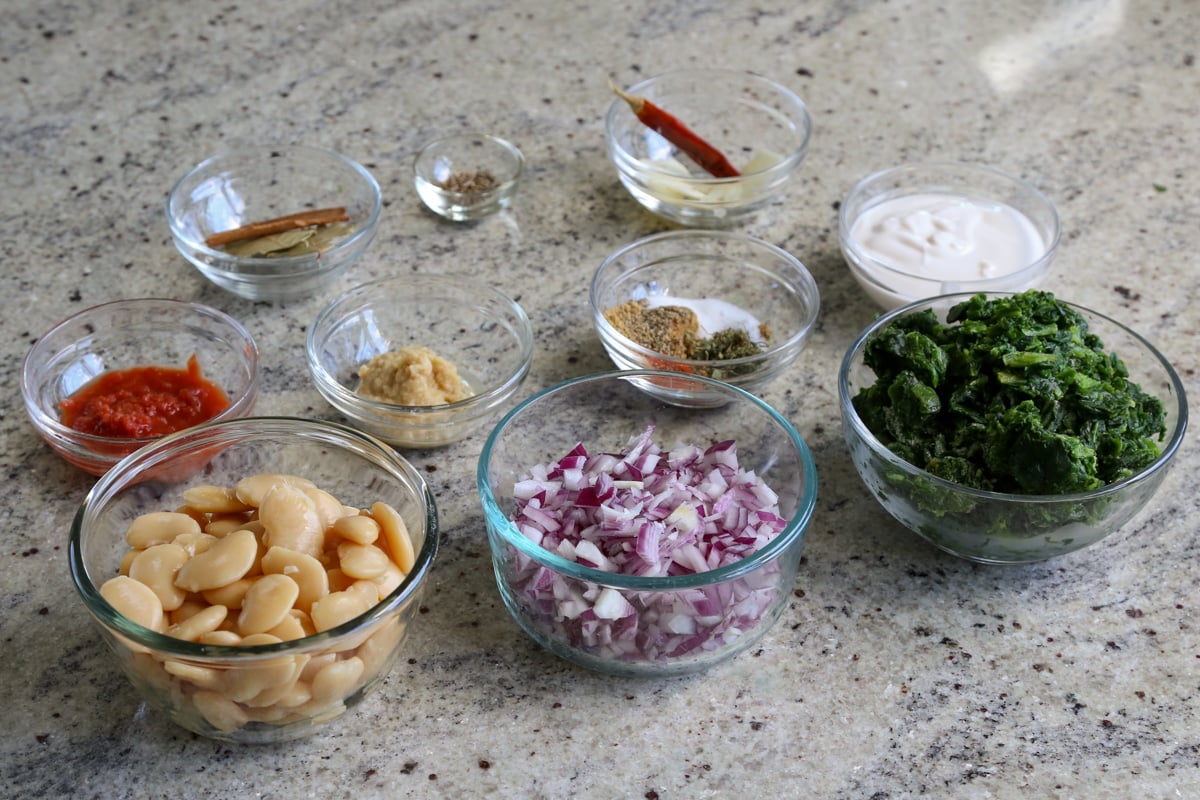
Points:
[[945, 239], [713, 315]]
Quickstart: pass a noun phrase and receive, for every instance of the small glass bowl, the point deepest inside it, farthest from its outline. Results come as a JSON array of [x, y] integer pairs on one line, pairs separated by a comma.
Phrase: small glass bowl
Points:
[[760, 126], [994, 527], [253, 184], [892, 285], [484, 333], [121, 335], [758, 277], [462, 160], [203, 687], [603, 412]]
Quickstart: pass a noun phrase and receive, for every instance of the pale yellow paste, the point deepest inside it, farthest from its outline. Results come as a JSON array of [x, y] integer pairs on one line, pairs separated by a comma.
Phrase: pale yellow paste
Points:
[[411, 376]]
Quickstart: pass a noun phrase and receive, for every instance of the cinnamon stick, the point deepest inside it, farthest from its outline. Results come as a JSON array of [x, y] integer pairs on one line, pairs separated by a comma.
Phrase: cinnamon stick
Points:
[[267, 227]]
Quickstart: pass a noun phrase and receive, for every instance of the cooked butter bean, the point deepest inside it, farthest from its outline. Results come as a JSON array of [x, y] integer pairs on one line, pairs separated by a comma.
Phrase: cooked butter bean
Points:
[[135, 600], [221, 527], [222, 713], [195, 626], [244, 683], [329, 508], [156, 567], [253, 489], [290, 519], [336, 608], [337, 680], [376, 651], [222, 638], [308, 573], [194, 543], [159, 527], [127, 561], [223, 563], [389, 581], [214, 499], [316, 664], [200, 677], [395, 535], [190, 607], [231, 595], [290, 627], [267, 603], [362, 561], [357, 528]]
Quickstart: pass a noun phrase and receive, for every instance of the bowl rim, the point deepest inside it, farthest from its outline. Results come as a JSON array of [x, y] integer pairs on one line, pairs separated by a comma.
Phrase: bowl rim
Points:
[[795, 529], [628, 163], [230, 431], [858, 259], [805, 283], [504, 145], [860, 429], [218, 259], [48, 424], [341, 394]]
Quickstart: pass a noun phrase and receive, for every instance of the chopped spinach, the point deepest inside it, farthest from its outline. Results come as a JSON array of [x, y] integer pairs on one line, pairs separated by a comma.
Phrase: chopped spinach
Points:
[[1010, 394]]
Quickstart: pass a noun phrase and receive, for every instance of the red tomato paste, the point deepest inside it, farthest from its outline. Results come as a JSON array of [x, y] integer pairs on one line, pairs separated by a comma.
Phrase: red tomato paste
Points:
[[143, 402]]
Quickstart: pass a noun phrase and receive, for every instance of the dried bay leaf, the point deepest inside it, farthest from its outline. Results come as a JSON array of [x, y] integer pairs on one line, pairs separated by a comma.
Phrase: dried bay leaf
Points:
[[273, 244]]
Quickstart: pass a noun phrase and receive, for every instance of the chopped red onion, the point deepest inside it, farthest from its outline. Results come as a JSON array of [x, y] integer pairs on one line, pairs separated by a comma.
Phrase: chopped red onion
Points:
[[652, 513]]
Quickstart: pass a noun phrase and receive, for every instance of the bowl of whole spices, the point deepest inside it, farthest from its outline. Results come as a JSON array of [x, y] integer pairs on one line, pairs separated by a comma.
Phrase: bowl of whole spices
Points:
[[718, 304], [274, 223], [468, 176]]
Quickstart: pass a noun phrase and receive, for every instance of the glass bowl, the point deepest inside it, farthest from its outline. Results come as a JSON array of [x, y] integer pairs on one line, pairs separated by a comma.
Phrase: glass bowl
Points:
[[665, 624], [468, 176], [122, 335], [761, 127], [483, 333], [940, 224], [265, 690], [257, 184], [756, 277], [1001, 528]]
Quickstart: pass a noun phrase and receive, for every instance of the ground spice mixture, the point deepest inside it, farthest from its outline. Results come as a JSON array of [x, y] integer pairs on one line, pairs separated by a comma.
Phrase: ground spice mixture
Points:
[[470, 182], [675, 331]]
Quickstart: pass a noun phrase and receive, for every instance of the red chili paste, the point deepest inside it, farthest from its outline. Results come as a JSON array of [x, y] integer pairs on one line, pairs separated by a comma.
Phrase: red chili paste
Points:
[[143, 402]]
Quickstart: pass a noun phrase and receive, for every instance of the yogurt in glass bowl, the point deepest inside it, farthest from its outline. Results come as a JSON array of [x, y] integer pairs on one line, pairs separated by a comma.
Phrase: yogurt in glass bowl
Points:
[[918, 231]]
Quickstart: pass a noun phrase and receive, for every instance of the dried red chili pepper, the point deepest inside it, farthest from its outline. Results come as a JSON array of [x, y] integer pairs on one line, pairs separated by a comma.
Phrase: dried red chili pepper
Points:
[[674, 131]]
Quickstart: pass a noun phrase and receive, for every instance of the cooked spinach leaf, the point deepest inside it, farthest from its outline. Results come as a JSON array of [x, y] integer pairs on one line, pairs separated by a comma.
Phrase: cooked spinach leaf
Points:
[[1011, 394]]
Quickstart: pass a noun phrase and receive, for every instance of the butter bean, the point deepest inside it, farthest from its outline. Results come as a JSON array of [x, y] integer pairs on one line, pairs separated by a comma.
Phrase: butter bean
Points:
[[231, 595], [282, 687], [267, 603], [223, 563], [190, 607], [194, 543], [378, 650], [316, 664], [159, 527], [289, 628], [337, 680], [358, 529], [222, 713], [222, 638], [338, 580], [389, 581], [135, 601], [329, 508], [195, 626], [290, 519], [156, 567], [308, 573], [200, 677], [253, 489], [127, 561], [221, 527], [244, 683], [336, 608], [362, 561], [213, 499], [395, 534]]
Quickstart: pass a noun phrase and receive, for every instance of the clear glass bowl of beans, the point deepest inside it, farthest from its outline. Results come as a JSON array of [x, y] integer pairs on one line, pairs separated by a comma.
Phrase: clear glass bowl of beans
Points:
[[255, 578]]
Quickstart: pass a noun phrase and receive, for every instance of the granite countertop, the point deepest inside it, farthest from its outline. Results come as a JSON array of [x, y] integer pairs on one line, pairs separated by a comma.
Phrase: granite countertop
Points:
[[896, 671]]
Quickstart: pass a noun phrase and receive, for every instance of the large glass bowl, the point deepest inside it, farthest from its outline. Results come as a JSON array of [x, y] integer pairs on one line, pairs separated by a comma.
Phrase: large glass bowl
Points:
[[999, 528], [260, 692], [733, 605]]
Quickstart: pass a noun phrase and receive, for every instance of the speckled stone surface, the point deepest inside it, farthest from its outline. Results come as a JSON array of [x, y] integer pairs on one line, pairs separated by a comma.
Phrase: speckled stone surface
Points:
[[896, 671]]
